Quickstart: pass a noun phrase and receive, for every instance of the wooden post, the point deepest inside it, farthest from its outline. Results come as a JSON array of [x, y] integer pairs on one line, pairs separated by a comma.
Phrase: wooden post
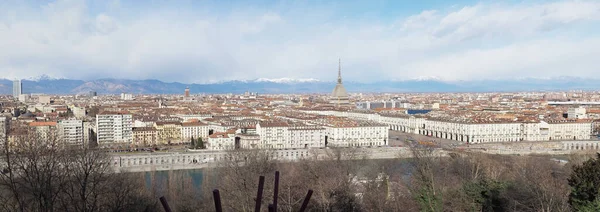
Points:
[[276, 191], [217, 198], [271, 208], [165, 204], [261, 185], [306, 200]]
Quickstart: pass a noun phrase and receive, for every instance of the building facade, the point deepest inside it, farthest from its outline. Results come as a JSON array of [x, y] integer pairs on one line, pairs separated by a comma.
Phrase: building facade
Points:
[[71, 131], [144, 136], [168, 132], [476, 132], [357, 136], [114, 128], [194, 130], [306, 136], [221, 141], [273, 135]]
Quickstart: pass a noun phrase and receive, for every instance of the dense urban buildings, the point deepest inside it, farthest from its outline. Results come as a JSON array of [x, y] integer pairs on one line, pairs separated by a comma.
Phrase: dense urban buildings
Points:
[[293, 121]]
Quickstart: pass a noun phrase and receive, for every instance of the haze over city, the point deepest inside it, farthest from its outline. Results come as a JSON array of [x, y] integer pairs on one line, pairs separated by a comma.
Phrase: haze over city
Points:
[[211, 41]]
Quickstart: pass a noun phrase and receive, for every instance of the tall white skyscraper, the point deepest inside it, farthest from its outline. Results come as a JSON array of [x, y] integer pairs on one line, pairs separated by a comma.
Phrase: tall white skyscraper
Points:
[[17, 88]]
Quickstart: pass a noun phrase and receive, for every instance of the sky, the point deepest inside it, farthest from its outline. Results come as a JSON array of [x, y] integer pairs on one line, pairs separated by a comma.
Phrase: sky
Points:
[[203, 41]]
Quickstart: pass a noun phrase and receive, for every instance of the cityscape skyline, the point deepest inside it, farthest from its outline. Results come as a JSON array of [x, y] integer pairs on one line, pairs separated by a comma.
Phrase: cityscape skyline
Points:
[[202, 42], [464, 105]]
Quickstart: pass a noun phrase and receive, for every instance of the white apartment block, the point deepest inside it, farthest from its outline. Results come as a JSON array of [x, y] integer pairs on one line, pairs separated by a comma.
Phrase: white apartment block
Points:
[[273, 135], [357, 136], [481, 132], [221, 141], [306, 136], [570, 130], [576, 113], [194, 130], [71, 131], [114, 128], [490, 132], [280, 135]]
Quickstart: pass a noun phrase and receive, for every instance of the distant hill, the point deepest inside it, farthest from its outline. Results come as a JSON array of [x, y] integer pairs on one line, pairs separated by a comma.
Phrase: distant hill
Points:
[[116, 86]]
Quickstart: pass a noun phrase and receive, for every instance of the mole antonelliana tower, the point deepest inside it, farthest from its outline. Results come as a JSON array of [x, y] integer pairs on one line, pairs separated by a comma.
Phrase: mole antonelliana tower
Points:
[[339, 96]]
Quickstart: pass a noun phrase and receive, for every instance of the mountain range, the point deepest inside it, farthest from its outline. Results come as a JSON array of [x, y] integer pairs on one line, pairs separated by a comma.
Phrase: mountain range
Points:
[[49, 85]]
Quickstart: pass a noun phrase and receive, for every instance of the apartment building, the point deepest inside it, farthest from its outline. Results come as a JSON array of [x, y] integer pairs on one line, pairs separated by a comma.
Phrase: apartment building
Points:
[[361, 135], [194, 130], [168, 132], [221, 141], [477, 129], [45, 130], [112, 127], [144, 136], [306, 136], [570, 130], [281, 135], [71, 131], [273, 135]]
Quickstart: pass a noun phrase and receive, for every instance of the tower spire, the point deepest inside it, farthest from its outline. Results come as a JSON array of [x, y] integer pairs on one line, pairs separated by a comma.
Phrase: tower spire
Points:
[[339, 71]]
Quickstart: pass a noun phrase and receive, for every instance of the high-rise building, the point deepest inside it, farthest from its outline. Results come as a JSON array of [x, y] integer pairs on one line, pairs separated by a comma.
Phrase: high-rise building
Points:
[[114, 128], [17, 88], [339, 96], [187, 92], [71, 131], [92, 93]]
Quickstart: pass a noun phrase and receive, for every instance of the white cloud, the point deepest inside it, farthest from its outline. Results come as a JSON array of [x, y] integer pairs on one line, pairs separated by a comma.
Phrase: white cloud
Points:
[[70, 39]]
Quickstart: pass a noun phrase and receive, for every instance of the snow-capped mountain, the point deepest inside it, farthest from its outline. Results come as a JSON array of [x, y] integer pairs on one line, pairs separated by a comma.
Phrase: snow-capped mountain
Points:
[[426, 78], [42, 78], [286, 80], [49, 85]]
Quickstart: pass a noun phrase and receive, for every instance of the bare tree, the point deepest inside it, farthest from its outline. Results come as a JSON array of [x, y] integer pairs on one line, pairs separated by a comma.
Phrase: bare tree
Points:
[[89, 175], [35, 171], [40, 173], [239, 178]]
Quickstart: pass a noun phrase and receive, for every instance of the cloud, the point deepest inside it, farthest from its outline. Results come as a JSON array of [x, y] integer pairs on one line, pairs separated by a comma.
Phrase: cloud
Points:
[[202, 43]]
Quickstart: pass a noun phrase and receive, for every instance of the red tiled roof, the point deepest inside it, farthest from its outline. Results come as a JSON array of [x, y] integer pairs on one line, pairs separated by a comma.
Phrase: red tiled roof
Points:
[[41, 124]]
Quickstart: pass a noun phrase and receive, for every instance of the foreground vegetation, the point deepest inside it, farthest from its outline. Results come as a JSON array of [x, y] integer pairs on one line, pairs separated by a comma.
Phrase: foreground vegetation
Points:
[[51, 177]]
